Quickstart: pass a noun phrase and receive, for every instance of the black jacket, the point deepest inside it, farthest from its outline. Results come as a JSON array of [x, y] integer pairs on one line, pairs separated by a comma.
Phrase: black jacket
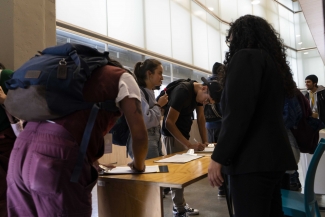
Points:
[[320, 104], [253, 137]]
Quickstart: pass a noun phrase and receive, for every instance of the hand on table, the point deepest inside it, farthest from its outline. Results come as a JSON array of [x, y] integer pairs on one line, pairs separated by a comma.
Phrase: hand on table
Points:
[[135, 168], [197, 146]]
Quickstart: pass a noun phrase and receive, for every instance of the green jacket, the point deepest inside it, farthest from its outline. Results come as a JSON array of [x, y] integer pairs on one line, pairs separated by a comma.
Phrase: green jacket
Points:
[[4, 122]]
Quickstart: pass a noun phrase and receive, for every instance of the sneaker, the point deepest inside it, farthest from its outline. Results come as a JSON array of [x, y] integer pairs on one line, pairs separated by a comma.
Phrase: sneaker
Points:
[[189, 211], [177, 214]]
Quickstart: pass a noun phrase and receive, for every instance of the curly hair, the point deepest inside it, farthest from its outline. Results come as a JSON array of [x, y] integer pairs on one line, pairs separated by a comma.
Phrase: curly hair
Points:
[[256, 33]]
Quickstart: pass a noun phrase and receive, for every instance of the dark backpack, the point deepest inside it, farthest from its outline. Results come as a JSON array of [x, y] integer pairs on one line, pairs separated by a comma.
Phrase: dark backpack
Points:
[[50, 85], [187, 83], [120, 131], [306, 132], [169, 89]]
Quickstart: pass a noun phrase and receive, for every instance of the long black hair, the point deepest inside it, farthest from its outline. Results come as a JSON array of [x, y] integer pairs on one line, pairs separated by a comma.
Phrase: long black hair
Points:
[[141, 68], [256, 33]]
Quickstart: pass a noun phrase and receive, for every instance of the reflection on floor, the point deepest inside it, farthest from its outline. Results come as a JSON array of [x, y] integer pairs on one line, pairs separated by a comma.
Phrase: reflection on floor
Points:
[[200, 196]]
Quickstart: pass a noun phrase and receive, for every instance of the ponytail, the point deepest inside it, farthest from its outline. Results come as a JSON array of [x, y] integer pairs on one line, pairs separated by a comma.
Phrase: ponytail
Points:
[[141, 68]]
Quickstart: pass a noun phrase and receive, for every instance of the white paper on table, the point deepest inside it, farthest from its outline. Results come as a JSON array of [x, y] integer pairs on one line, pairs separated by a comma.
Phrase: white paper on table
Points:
[[127, 170], [207, 149], [179, 158]]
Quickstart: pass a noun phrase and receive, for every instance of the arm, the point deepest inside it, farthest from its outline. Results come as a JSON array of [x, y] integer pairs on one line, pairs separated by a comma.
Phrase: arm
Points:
[[151, 116], [172, 128], [201, 124], [131, 108]]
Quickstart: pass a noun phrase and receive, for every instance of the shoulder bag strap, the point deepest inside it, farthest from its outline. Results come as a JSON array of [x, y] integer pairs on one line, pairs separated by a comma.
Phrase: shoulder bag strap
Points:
[[215, 111]]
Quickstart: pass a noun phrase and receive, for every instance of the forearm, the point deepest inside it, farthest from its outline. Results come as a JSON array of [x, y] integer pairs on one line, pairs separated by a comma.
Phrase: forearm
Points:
[[172, 128], [202, 130], [133, 114], [140, 150]]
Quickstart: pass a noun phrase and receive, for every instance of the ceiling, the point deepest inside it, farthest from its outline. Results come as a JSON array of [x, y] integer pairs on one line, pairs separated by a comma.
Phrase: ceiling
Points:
[[314, 13]]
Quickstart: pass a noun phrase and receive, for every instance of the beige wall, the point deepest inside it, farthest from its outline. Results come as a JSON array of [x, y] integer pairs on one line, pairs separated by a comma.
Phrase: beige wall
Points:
[[25, 28]]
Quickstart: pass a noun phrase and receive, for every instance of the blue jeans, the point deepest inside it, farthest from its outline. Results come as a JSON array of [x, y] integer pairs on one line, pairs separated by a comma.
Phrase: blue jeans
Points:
[[213, 129], [154, 143]]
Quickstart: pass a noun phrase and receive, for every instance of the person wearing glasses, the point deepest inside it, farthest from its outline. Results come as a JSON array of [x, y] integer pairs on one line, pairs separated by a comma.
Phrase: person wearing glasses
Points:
[[184, 99], [253, 146]]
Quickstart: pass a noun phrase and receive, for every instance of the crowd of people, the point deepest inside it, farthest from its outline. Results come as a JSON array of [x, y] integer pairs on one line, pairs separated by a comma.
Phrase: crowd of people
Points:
[[241, 107]]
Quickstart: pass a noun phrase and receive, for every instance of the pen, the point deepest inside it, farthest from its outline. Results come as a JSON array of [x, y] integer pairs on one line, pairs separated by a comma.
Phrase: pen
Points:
[[195, 140]]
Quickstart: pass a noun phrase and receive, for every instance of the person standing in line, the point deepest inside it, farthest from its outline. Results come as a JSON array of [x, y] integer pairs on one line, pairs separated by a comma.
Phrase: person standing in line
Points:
[[316, 97], [213, 117], [149, 76], [177, 124], [7, 140], [253, 146]]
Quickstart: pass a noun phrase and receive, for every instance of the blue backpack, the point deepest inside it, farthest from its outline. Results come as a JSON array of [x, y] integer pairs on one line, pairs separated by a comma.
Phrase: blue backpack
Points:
[[50, 85]]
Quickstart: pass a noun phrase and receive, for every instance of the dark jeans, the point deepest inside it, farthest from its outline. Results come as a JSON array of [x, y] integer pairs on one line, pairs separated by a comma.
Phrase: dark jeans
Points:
[[257, 194], [7, 140], [213, 129]]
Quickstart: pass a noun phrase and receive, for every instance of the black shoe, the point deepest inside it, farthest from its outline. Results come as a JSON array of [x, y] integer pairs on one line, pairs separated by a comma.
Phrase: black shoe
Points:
[[188, 211], [166, 190], [177, 214], [221, 193]]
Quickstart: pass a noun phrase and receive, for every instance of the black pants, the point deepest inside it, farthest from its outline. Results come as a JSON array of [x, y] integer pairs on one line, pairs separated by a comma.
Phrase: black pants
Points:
[[257, 194]]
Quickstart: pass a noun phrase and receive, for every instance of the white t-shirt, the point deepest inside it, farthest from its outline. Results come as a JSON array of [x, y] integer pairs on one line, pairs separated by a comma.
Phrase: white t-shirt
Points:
[[128, 87]]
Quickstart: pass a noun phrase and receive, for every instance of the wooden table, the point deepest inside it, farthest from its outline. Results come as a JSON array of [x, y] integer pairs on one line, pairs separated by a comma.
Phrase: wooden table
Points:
[[140, 195]]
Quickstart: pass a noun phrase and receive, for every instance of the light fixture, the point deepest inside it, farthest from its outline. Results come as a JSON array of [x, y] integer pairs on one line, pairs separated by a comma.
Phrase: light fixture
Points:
[[210, 8], [299, 42], [297, 36], [255, 2], [306, 53]]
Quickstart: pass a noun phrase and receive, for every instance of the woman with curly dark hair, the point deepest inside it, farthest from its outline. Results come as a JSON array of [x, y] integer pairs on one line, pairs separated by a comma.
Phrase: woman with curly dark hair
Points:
[[253, 146]]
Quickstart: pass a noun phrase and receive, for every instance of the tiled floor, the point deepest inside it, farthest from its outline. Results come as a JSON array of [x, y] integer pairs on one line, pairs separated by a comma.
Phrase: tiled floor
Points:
[[201, 196]]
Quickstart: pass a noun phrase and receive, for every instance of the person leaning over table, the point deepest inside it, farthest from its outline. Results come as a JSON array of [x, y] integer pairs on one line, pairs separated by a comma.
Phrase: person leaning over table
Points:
[[44, 155], [177, 125], [253, 146]]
